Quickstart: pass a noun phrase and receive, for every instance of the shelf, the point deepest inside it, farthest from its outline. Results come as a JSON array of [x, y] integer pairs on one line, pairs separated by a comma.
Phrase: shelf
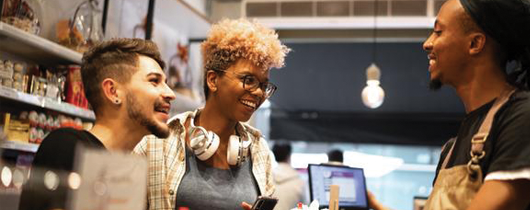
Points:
[[63, 107], [19, 146], [35, 48]]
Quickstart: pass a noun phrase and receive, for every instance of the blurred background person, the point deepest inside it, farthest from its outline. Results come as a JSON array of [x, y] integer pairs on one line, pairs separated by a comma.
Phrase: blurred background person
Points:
[[290, 188], [335, 157]]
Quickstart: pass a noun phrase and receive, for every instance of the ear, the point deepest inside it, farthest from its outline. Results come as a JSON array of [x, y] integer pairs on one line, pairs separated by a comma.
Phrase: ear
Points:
[[111, 91], [211, 80], [477, 44]]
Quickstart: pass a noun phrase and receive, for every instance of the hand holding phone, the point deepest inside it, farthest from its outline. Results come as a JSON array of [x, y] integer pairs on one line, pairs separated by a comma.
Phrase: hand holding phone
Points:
[[264, 203]]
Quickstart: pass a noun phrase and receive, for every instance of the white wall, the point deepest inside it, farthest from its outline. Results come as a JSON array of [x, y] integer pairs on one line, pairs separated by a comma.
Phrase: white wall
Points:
[[199, 5]]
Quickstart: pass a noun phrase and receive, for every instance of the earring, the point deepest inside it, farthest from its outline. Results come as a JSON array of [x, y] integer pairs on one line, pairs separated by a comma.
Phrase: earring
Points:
[[117, 101]]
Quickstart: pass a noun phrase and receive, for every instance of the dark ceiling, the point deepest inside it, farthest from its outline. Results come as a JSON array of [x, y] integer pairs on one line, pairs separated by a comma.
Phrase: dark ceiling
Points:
[[319, 96]]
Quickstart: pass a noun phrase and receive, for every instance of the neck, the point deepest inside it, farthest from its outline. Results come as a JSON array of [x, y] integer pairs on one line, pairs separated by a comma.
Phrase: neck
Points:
[[485, 85], [212, 119], [116, 134]]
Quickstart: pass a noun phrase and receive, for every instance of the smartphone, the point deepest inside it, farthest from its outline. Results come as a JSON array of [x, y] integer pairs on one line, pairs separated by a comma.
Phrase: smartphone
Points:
[[264, 203]]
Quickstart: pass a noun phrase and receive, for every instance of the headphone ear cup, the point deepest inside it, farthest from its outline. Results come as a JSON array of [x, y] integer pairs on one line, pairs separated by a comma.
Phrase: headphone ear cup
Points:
[[232, 151], [203, 143], [237, 151]]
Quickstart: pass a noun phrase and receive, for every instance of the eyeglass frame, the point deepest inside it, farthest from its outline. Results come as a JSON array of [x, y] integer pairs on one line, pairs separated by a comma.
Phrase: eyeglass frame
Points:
[[260, 84]]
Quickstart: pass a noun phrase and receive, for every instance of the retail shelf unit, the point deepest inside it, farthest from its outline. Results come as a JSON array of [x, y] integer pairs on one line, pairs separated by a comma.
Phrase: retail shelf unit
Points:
[[46, 103], [41, 51], [20, 146], [35, 48]]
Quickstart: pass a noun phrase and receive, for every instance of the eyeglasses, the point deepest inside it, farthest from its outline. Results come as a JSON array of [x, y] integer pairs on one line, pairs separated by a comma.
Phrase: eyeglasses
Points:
[[251, 84]]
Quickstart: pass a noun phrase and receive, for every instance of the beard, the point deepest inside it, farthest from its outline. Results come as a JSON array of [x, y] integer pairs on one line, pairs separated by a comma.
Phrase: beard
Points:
[[435, 84], [135, 113]]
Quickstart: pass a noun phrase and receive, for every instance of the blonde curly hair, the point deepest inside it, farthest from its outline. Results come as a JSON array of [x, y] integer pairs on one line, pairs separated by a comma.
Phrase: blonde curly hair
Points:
[[231, 40]]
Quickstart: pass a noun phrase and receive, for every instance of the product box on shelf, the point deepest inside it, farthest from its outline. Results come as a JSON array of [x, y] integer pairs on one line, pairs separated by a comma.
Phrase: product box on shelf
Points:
[[18, 131], [57, 84], [6, 70], [15, 129], [4, 121], [75, 92], [13, 75], [33, 127], [6, 73]]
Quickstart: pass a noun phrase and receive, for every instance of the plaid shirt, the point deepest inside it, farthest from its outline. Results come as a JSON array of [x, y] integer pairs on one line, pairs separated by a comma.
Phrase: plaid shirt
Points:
[[167, 162]]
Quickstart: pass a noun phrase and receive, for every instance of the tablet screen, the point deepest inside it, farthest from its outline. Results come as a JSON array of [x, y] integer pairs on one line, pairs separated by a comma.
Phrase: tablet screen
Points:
[[351, 182]]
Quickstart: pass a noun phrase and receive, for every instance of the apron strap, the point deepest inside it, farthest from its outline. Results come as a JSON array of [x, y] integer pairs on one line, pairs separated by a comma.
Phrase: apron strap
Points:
[[479, 139], [446, 159]]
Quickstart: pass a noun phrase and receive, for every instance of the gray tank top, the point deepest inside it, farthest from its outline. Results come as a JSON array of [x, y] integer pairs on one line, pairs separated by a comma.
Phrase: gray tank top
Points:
[[206, 187]]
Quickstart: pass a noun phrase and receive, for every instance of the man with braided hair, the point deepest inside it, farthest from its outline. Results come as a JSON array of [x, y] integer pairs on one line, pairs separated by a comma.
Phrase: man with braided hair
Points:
[[472, 43], [481, 48]]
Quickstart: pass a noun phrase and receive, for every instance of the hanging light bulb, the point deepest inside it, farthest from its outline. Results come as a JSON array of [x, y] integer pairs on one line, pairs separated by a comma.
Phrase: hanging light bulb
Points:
[[373, 95]]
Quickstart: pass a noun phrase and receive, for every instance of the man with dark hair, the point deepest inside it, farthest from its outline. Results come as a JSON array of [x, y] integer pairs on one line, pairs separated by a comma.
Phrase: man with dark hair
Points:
[[289, 186], [335, 157], [282, 152], [472, 42], [488, 165], [125, 84]]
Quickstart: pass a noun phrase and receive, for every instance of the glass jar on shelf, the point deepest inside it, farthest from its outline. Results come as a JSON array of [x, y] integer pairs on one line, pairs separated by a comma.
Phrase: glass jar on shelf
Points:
[[23, 14], [82, 29]]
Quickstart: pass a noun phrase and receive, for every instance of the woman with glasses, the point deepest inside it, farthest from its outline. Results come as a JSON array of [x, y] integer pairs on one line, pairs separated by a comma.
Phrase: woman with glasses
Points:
[[212, 160]]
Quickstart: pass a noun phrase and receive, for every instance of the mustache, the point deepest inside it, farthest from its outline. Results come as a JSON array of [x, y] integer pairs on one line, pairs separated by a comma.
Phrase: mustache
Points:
[[162, 103]]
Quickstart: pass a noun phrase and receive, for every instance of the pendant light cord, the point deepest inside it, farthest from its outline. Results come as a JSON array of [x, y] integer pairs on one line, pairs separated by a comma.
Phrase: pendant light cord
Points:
[[374, 31]]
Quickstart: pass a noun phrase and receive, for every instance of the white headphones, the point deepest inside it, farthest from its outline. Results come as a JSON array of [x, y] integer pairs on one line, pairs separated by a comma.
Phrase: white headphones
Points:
[[205, 143]]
